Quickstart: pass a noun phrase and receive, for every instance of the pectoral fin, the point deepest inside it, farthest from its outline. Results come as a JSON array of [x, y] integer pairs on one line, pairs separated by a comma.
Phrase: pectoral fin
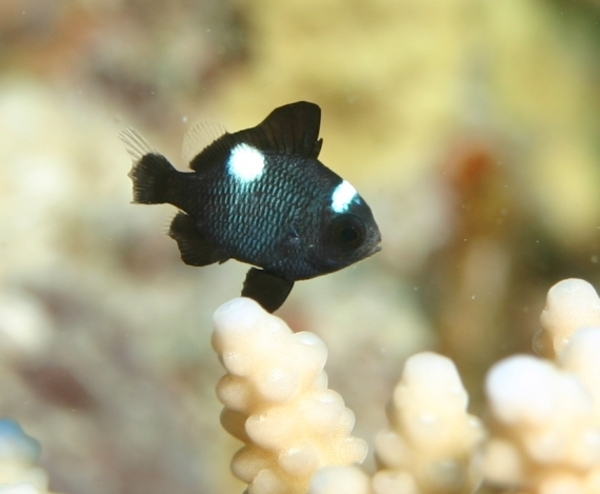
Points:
[[269, 290], [193, 248]]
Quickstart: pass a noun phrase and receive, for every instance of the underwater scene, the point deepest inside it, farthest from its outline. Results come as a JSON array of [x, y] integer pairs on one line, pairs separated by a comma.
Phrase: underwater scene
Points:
[[289, 247]]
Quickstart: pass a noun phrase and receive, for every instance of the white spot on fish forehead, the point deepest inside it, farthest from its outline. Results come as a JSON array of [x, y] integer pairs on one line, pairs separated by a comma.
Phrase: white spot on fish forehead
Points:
[[342, 197], [246, 163]]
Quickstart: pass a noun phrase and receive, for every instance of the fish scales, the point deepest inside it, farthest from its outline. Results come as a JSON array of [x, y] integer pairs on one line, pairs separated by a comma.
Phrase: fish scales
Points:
[[257, 216]]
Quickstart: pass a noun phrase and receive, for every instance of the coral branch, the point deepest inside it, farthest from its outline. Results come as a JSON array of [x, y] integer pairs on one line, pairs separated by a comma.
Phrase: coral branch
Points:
[[570, 305], [430, 445], [277, 402], [432, 438], [546, 415]]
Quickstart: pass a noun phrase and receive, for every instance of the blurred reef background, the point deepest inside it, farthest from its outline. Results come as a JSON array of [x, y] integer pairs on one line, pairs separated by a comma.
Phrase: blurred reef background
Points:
[[472, 128]]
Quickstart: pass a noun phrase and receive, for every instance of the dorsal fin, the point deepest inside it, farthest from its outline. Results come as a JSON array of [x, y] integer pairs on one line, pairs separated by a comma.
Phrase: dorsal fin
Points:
[[214, 154], [199, 137], [289, 129]]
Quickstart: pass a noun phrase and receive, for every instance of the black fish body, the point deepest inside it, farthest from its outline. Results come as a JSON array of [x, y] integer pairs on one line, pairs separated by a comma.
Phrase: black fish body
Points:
[[262, 197]]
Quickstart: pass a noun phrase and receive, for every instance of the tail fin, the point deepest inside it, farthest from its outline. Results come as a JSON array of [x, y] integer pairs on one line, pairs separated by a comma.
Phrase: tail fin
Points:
[[151, 177], [152, 174]]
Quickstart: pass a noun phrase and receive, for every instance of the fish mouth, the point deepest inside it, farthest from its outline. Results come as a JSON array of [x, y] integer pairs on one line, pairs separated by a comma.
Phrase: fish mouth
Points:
[[373, 250], [375, 243], [371, 247]]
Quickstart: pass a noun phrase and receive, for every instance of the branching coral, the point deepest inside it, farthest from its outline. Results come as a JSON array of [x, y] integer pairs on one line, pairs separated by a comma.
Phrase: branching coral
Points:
[[432, 438], [544, 426], [429, 447], [570, 305], [546, 415], [277, 402]]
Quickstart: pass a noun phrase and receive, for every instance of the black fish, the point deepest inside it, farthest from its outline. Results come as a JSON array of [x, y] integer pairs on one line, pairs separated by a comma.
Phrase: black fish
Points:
[[260, 196]]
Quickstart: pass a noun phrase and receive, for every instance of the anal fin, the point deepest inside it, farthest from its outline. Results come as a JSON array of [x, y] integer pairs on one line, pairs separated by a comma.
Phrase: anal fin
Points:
[[269, 290], [193, 248]]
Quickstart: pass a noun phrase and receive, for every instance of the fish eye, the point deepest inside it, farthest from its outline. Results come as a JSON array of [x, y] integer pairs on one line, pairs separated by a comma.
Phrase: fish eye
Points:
[[347, 232]]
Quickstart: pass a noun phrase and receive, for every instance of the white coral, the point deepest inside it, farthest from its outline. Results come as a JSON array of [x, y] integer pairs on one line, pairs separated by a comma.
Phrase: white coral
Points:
[[571, 304], [431, 441], [277, 402], [546, 415], [430, 444]]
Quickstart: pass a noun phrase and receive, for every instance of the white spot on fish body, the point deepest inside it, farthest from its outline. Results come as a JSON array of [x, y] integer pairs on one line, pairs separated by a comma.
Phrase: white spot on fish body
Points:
[[246, 163], [342, 197]]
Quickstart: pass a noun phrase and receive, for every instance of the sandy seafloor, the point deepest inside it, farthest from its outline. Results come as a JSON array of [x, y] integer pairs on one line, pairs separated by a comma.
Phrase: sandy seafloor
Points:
[[471, 127]]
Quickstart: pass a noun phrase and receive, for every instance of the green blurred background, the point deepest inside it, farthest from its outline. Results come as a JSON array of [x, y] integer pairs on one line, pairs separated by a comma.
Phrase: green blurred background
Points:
[[470, 126]]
